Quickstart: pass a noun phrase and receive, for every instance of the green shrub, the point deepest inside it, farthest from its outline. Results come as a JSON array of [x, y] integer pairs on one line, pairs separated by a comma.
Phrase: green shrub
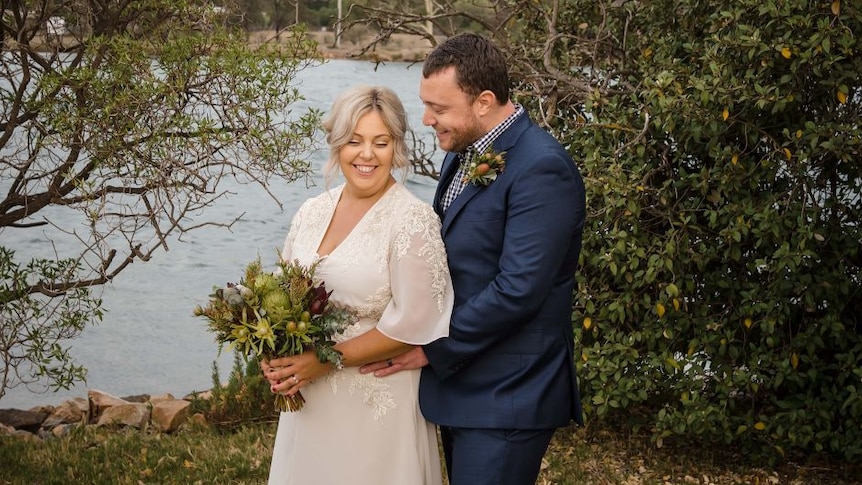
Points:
[[720, 288], [245, 398]]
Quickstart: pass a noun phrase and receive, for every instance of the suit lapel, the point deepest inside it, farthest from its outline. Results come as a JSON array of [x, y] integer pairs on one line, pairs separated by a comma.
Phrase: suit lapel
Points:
[[503, 143], [468, 193], [447, 172]]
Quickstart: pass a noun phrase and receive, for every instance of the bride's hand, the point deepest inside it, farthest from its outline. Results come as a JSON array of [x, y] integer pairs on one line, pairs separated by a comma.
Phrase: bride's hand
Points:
[[287, 375]]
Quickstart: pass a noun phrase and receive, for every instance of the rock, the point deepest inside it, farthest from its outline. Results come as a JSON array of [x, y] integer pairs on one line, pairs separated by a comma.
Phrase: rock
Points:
[[136, 415], [47, 408], [162, 397], [69, 412], [169, 414], [29, 421], [26, 435], [136, 398], [100, 401], [164, 411], [62, 430], [20, 433], [198, 419], [203, 395]]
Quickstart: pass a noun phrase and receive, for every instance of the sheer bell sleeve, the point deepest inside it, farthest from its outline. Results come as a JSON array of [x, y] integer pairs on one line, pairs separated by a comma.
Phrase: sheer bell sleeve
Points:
[[422, 295], [287, 249]]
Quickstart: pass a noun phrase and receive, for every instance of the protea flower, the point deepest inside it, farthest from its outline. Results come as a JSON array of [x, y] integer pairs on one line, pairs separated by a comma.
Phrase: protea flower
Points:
[[240, 334], [231, 295], [276, 304], [245, 291], [264, 334], [319, 299], [265, 283]]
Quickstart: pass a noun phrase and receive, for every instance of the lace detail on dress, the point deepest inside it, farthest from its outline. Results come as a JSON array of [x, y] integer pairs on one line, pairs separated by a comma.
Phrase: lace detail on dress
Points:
[[419, 225], [375, 391], [361, 326], [375, 303]]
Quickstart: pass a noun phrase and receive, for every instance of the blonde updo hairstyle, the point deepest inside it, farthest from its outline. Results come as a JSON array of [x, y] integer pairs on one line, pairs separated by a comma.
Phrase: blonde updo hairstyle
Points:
[[353, 104]]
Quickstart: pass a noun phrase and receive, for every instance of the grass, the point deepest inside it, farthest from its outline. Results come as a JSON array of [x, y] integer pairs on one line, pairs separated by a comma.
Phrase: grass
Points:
[[195, 455], [237, 451], [204, 455]]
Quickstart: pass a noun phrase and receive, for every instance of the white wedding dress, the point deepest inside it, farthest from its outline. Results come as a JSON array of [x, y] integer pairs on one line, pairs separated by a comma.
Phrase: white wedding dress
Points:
[[391, 269]]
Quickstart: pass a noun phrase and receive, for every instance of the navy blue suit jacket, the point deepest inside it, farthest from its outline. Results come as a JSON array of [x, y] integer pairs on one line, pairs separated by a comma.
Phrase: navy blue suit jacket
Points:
[[513, 250]]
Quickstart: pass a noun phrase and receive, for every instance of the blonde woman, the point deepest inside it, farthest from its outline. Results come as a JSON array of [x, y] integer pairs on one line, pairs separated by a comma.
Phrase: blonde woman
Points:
[[380, 252]]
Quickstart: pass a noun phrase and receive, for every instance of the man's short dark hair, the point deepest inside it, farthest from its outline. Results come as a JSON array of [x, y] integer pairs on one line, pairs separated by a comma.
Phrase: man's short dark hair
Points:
[[479, 64]]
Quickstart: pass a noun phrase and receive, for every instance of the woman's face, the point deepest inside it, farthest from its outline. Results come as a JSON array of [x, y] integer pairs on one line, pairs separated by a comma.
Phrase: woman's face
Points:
[[366, 160]]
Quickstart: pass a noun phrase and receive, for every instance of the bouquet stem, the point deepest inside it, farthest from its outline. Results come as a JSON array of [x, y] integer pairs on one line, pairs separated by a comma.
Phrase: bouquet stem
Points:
[[290, 404]]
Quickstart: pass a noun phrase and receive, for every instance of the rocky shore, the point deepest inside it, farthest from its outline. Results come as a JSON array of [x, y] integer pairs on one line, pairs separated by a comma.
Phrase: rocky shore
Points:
[[164, 413]]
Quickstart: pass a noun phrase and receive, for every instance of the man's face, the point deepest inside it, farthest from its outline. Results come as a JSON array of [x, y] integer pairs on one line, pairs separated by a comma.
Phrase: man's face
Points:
[[450, 111]]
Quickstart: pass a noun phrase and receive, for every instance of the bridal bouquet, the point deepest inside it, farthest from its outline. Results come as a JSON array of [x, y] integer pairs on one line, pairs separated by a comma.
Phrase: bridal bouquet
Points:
[[278, 314]]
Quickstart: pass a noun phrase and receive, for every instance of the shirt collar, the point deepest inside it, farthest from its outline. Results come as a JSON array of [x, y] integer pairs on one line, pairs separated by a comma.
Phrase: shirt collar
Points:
[[482, 144]]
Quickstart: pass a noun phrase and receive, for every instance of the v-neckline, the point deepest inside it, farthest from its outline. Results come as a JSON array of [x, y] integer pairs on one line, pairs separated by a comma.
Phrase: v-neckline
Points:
[[356, 226]]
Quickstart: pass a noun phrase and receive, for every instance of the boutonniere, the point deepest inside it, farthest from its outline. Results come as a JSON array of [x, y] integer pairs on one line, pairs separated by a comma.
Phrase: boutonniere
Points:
[[485, 167]]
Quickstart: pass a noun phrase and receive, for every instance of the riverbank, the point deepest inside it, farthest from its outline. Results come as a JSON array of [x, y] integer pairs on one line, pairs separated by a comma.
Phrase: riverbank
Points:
[[398, 48]]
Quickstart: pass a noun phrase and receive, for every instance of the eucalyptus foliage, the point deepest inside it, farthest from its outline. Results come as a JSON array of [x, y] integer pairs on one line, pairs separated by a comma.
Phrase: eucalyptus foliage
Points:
[[719, 288], [122, 133]]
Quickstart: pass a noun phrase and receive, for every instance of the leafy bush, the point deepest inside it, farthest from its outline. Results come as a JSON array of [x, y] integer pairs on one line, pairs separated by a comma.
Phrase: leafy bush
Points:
[[34, 323], [720, 284], [245, 398]]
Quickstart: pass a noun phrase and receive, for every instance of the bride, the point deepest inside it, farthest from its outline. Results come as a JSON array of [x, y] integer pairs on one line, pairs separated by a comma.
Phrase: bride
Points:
[[380, 252]]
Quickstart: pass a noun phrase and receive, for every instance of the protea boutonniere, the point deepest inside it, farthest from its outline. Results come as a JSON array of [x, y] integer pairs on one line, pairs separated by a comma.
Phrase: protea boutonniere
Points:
[[484, 168]]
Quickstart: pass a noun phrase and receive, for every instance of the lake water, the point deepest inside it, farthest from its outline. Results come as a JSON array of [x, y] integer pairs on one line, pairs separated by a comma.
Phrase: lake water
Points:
[[149, 342]]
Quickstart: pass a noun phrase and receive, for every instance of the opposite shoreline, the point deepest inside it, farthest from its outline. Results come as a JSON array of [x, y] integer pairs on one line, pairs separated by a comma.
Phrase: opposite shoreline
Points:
[[352, 46]]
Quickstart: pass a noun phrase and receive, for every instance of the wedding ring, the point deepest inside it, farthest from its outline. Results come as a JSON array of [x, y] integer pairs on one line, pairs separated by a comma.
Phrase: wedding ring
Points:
[[389, 362], [295, 380]]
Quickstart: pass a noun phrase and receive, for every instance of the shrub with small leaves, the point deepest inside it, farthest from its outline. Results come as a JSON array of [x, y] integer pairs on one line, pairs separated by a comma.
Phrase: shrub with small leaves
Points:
[[244, 398], [721, 271]]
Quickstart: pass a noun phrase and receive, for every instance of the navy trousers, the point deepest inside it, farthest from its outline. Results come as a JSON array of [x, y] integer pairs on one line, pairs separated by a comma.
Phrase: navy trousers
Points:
[[494, 456]]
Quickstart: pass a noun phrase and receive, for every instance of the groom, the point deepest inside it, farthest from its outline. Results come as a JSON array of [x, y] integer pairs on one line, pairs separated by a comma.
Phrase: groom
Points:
[[504, 379]]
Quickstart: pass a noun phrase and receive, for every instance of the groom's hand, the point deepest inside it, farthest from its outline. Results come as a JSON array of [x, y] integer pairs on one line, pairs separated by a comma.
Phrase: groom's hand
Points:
[[412, 359]]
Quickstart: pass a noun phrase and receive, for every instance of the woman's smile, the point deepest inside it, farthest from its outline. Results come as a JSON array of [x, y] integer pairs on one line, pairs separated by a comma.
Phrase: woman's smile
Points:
[[365, 169]]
